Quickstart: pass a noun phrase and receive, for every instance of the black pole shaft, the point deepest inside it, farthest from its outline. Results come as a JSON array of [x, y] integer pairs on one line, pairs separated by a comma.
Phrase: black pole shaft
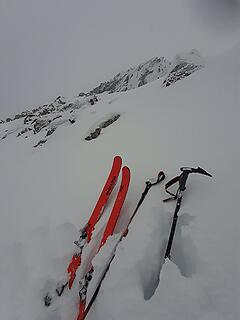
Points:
[[172, 232]]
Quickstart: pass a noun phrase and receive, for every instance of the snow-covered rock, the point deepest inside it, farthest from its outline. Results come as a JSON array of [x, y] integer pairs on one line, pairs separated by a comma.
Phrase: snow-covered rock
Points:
[[144, 73], [183, 66], [45, 119]]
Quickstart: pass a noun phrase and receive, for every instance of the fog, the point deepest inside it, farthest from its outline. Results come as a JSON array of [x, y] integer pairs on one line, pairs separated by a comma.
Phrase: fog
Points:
[[57, 47]]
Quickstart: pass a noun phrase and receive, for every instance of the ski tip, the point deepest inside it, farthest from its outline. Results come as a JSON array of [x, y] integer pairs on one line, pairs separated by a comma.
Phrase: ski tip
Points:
[[117, 159], [126, 176], [126, 170]]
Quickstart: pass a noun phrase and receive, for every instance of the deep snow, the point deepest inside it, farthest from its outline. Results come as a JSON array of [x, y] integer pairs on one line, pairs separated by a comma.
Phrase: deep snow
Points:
[[47, 194]]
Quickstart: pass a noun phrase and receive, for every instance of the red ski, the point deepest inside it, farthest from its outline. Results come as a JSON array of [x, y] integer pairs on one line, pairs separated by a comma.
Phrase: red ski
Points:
[[86, 232], [109, 229]]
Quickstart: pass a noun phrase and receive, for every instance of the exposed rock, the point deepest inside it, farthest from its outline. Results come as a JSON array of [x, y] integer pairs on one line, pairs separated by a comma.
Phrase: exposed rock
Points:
[[45, 111], [103, 124], [60, 116], [183, 66], [68, 106], [17, 116], [94, 134], [41, 142], [28, 118], [50, 131], [108, 122], [23, 131], [39, 124], [25, 113], [59, 99], [135, 77]]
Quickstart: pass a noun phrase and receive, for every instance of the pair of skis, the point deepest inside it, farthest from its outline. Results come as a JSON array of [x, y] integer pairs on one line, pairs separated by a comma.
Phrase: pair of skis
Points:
[[109, 229], [86, 232]]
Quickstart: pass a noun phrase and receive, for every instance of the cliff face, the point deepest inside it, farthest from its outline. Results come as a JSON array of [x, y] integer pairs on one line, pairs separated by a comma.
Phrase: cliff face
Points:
[[183, 66], [144, 73]]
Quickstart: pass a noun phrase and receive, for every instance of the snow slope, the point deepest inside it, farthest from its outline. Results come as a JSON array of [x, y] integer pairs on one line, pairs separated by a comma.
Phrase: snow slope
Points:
[[47, 193]]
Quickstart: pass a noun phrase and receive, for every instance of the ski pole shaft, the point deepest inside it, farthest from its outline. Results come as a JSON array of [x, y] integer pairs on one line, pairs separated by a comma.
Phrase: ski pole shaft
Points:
[[172, 232], [149, 184]]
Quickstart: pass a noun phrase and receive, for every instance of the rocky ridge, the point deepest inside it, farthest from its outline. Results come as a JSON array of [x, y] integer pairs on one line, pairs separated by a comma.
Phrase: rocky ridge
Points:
[[183, 66], [43, 121]]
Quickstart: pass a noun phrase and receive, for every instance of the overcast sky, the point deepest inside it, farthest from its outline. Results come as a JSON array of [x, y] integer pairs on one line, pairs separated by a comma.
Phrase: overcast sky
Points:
[[62, 47]]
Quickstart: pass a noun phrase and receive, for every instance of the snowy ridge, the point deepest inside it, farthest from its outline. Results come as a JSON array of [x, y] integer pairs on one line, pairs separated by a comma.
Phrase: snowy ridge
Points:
[[43, 121], [183, 66], [144, 73]]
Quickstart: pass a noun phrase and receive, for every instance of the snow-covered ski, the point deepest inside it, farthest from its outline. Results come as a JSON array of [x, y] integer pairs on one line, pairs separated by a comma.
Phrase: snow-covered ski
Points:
[[109, 229], [86, 232]]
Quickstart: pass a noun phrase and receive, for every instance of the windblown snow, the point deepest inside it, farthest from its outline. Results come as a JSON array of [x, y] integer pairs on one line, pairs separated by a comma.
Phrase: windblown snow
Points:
[[48, 193]]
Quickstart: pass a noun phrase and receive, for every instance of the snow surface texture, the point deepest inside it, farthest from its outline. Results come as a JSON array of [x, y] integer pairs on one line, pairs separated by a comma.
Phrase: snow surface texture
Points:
[[48, 193]]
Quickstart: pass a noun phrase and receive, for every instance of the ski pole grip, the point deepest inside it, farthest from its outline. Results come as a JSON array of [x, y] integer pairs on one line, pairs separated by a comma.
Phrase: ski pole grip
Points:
[[161, 176], [183, 180]]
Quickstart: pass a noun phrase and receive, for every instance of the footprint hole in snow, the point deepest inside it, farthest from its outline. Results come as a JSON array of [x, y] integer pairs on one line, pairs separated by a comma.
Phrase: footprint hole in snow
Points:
[[184, 252]]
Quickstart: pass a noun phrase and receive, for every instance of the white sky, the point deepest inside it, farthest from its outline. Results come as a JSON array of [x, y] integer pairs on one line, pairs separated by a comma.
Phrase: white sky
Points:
[[56, 47]]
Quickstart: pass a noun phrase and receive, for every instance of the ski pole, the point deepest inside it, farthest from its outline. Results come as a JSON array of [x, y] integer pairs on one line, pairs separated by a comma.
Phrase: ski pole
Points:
[[182, 179]]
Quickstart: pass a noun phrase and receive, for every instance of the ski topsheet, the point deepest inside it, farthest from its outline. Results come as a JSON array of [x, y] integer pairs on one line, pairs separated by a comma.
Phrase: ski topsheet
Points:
[[86, 232], [109, 229]]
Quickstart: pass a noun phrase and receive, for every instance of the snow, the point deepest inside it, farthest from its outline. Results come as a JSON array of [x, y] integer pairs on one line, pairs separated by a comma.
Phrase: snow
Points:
[[48, 193]]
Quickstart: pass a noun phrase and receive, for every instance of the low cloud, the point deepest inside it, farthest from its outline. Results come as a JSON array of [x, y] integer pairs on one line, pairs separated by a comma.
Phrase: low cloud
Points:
[[223, 15]]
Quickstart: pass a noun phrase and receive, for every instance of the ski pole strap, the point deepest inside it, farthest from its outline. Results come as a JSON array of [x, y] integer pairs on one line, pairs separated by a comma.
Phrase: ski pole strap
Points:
[[169, 184], [149, 184], [161, 177]]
